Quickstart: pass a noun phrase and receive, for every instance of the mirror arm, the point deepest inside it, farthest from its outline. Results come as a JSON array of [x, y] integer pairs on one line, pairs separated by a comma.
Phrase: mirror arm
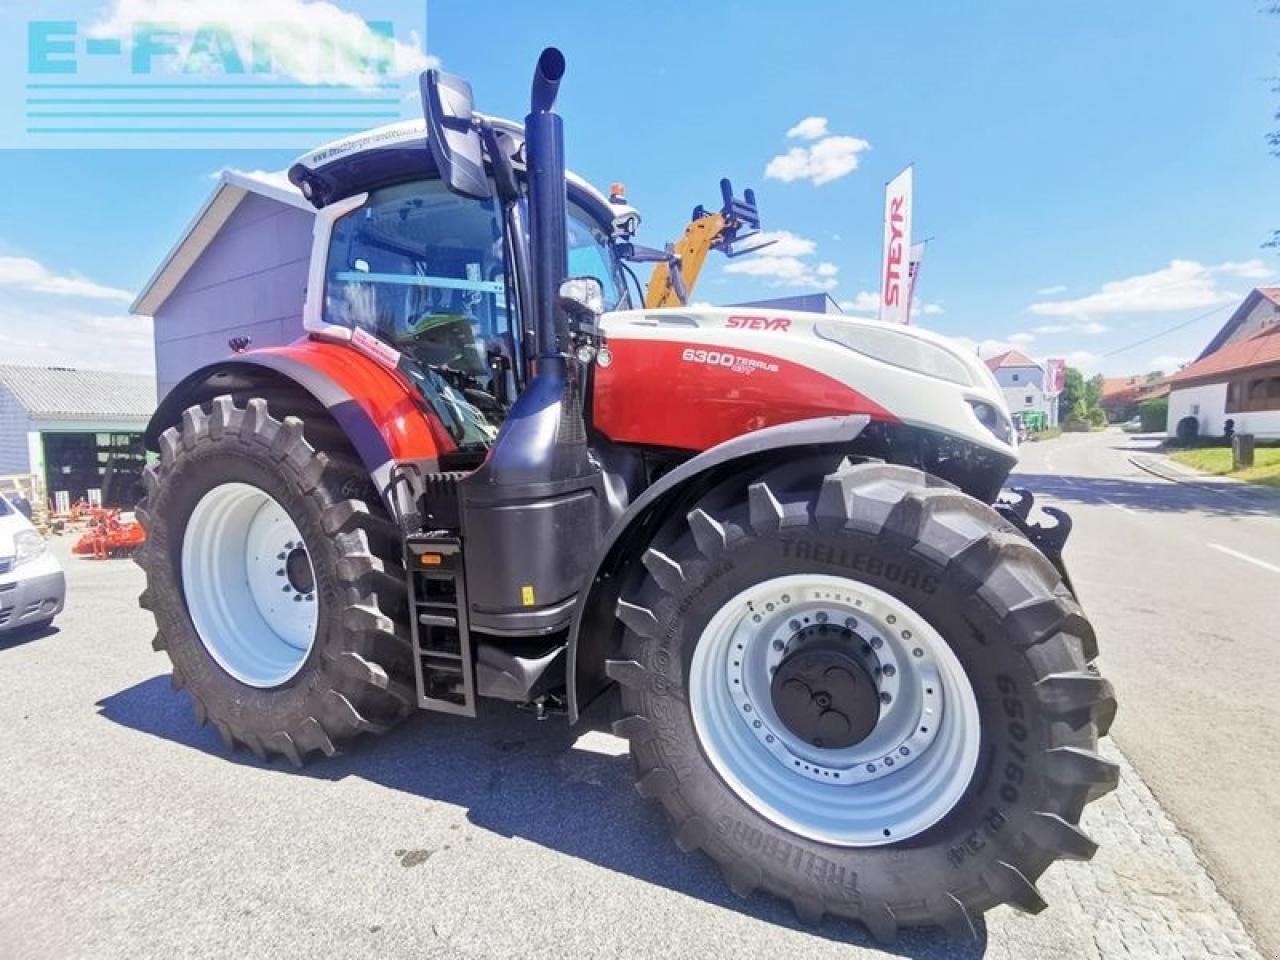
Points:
[[500, 147]]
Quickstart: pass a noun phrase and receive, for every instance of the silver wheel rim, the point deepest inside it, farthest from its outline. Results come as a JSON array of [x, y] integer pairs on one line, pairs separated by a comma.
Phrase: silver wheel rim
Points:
[[904, 777], [245, 571]]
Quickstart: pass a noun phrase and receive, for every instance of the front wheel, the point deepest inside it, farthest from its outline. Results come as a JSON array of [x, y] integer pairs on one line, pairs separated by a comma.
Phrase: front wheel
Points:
[[865, 693]]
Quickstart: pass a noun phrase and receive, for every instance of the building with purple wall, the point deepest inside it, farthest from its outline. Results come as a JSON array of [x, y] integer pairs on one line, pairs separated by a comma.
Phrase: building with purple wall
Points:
[[239, 270]]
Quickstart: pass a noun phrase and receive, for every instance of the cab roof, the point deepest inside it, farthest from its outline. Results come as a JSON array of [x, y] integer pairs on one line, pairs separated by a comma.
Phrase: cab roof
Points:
[[398, 151]]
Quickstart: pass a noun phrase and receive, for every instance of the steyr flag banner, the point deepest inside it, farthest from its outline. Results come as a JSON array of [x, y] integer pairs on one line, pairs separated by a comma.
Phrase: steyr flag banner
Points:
[[897, 243], [1055, 376], [913, 271]]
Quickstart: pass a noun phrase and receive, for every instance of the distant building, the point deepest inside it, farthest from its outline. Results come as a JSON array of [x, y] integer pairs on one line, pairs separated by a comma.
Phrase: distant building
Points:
[[1237, 376], [806, 302], [75, 430], [1022, 380], [239, 270], [1122, 395]]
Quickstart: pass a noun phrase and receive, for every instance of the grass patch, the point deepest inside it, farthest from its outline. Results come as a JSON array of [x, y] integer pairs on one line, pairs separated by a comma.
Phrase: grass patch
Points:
[[1217, 460], [1046, 434]]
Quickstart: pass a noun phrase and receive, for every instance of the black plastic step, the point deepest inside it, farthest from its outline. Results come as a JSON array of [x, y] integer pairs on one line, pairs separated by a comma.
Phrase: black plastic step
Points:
[[443, 660]]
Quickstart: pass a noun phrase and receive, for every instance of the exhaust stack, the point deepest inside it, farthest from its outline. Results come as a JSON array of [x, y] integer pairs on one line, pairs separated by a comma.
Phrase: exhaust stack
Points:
[[533, 512], [548, 204]]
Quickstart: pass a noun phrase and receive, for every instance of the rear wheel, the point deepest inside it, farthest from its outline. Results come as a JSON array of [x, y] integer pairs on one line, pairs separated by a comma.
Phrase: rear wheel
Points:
[[865, 693], [275, 581]]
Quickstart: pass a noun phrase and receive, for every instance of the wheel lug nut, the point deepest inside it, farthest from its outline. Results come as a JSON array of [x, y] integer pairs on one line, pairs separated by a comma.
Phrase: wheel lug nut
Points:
[[851, 623], [777, 644], [886, 697], [821, 618], [876, 643], [917, 652], [280, 573], [890, 669]]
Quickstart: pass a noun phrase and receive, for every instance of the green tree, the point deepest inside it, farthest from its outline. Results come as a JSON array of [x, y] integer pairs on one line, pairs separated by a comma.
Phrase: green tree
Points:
[[1072, 390]]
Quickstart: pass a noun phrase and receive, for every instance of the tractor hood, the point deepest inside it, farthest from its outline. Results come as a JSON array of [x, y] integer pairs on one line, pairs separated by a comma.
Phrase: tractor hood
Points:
[[784, 365]]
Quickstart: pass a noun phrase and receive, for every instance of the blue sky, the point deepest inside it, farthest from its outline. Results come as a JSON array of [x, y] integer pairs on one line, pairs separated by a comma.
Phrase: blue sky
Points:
[[1092, 173]]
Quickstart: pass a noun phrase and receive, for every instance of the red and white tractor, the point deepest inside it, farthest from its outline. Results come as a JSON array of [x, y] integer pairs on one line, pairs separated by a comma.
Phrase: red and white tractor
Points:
[[851, 675]]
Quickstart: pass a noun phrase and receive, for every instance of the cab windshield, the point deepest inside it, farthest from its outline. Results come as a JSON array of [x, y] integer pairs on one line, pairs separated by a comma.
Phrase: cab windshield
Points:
[[426, 271]]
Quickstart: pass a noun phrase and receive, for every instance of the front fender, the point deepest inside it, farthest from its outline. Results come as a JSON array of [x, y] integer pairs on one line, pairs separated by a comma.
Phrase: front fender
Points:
[[593, 622]]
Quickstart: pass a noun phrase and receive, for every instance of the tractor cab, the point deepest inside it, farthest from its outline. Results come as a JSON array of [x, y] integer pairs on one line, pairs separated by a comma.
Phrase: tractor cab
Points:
[[440, 277]]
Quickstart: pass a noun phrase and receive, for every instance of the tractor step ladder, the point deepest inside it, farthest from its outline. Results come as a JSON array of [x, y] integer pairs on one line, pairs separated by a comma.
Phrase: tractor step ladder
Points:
[[443, 662]]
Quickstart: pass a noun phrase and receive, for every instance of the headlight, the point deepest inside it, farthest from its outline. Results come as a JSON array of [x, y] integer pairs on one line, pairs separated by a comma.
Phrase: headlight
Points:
[[28, 545], [899, 349], [993, 418]]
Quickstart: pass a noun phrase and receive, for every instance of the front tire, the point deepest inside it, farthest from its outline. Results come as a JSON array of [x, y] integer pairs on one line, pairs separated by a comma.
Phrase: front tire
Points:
[[798, 572], [274, 578]]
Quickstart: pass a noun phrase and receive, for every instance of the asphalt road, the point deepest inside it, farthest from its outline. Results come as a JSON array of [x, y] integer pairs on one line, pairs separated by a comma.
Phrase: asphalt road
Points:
[[1182, 580], [127, 831]]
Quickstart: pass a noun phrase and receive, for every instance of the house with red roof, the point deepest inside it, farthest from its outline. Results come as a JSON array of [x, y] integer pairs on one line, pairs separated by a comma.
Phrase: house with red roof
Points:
[[1237, 376], [1022, 380]]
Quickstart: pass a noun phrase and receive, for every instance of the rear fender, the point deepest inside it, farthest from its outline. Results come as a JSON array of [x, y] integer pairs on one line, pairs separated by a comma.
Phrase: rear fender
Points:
[[591, 635], [376, 409]]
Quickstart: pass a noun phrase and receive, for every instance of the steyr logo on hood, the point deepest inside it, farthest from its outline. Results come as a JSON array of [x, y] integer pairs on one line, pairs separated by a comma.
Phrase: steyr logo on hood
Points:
[[777, 324]]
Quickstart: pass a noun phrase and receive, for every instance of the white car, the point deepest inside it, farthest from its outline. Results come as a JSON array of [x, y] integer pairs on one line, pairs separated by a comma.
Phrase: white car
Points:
[[33, 587]]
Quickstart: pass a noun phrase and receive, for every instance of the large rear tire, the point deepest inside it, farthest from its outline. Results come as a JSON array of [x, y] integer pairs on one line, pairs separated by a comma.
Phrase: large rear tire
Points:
[[949, 791], [276, 583]]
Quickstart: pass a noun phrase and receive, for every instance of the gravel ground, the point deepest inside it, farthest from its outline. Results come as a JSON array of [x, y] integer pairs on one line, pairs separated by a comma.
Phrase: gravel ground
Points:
[[128, 831]]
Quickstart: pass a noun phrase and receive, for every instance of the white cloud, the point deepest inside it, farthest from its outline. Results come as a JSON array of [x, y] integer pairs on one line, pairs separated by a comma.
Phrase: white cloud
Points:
[[827, 159], [784, 243], [782, 263], [312, 41], [44, 333], [1168, 363], [1052, 291], [1248, 269], [1090, 327], [866, 302], [31, 276], [810, 128], [1083, 360], [1182, 285], [1021, 339]]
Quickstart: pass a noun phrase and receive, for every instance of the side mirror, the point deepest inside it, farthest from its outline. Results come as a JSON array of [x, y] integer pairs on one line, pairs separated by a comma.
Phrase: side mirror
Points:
[[452, 137], [582, 296]]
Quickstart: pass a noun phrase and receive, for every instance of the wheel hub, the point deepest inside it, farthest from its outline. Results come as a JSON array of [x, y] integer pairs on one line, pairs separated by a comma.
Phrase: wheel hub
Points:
[[834, 708], [826, 696], [297, 568]]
